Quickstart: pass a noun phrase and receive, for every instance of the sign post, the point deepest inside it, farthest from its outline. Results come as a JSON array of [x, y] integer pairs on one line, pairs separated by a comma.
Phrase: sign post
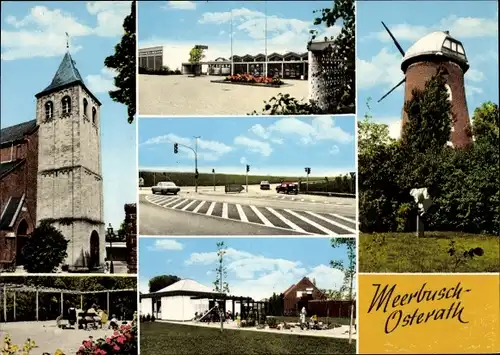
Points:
[[213, 172], [246, 177]]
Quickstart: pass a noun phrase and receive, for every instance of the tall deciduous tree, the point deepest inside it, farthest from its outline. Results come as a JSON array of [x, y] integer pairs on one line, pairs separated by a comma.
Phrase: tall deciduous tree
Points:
[[372, 135], [220, 283], [195, 57], [429, 116], [159, 282], [486, 124], [124, 63], [349, 270]]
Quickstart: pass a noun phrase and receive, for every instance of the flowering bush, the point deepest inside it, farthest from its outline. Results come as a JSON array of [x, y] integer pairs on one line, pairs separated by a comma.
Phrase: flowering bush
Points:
[[248, 78], [123, 342]]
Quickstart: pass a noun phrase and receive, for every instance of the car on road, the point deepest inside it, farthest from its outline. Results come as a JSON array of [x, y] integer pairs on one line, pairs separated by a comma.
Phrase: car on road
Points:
[[288, 187], [265, 185], [166, 187]]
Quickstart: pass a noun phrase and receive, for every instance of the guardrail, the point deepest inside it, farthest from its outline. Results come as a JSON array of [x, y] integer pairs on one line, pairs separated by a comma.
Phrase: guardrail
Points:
[[332, 194]]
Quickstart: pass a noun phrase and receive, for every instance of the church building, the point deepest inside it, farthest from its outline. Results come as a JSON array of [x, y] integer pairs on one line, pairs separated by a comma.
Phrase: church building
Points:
[[50, 169]]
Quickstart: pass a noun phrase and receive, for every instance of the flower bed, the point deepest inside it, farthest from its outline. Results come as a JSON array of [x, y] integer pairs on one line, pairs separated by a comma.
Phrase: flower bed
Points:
[[250, 79], [123, 342]]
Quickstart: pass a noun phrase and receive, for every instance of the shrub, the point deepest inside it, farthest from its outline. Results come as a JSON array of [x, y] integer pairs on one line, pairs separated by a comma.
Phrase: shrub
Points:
[[272, 322], [45, 250], [248, 78]]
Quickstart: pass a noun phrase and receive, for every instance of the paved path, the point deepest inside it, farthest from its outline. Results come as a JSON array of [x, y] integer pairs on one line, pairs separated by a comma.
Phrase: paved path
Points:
[[285, 219], [182, 95]]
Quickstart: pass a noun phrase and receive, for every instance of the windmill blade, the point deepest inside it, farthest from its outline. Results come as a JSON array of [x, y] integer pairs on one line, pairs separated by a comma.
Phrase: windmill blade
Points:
[[394, 40], [394, 88]]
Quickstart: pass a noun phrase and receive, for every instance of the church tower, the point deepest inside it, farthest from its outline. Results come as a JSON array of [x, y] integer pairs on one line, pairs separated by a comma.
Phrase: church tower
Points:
[[70, 192]]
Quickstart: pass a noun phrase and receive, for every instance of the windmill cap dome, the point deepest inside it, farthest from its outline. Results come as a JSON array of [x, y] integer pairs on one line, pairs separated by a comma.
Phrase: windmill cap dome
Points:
[[438, 43]]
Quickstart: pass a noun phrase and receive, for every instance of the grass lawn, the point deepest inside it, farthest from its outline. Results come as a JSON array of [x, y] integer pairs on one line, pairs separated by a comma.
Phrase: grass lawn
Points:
[[341, 321], [163, 338], [404, 252]]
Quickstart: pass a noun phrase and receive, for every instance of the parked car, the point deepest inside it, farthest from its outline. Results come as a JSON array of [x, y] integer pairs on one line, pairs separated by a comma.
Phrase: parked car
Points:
[[233, 188], [165, 187], [264, 185], [288, 187]]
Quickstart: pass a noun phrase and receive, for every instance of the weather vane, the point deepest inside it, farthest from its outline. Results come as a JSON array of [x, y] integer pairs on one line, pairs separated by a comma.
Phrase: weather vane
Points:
[[67, 40]]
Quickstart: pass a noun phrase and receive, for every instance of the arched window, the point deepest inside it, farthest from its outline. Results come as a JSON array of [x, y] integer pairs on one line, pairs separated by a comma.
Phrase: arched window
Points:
[[49, 110], [66, 105], [448, 89], [85, 107], [94, 115]]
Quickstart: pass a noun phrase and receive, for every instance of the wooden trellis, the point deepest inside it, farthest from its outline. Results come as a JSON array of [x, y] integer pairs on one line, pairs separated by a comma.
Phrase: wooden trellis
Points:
[[15, 288]]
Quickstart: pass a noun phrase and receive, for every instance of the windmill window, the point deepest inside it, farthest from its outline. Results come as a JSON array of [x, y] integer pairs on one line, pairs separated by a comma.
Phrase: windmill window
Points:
[[461, 49], [85, 107], [454, 47], [94, 115], [66, 105], [447, 44], [49, 110]]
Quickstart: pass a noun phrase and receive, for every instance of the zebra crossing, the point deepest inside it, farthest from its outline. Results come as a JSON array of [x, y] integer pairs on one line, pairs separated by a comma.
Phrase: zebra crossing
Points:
[[304, 222]]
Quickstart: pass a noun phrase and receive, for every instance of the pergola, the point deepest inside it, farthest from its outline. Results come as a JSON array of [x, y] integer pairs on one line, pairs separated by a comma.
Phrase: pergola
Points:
[[248, 301], [40, 289]]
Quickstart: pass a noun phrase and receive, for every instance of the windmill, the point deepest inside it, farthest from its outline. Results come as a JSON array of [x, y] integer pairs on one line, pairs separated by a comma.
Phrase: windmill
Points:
[[422, 60]]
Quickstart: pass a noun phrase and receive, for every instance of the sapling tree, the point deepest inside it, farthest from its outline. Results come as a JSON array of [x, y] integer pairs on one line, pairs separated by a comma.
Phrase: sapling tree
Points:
[[195, 57], [220, 284], [349, 270]]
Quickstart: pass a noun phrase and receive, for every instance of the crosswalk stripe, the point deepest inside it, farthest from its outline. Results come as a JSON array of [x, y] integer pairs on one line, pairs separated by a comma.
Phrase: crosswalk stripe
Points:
[[332, 222], [312, 223], [286, 221], [342, 217], [172, 202], [210, 209], [198, 207], [188, 205], [262, 217], [241, 213], [180, 203], [164, 200], [224, 210]]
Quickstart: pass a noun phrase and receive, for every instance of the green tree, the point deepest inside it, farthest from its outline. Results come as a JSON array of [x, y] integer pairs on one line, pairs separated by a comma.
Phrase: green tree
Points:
[[486, 124], [349, 270], [45, 250], [160, 282], [220, 283], [429, 116], [195, 57], [371, 135], [124, 63]]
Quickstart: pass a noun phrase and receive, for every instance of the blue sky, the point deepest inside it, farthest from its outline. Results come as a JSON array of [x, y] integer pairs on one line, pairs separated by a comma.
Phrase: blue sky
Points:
[[256, 267], [474, 23], [33, 45], [179, 25], [270, 145]]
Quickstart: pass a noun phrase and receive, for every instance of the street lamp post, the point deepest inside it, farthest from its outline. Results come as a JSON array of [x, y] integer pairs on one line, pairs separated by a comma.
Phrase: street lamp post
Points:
[[232, 61], [111, 235], [213, 172]]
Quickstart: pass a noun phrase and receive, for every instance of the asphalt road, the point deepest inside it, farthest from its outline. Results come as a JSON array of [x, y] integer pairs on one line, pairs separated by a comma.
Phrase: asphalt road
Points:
[[253, 213]]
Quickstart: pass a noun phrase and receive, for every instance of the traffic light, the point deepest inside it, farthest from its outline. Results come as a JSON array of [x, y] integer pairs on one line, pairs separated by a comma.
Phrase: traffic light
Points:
[[248, 168], [196, 174], [176, 148], [308, 170], [213, 171]]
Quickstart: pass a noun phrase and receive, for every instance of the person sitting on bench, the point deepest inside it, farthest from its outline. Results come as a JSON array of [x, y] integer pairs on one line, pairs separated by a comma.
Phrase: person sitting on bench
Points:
[[72, 318], [113, 323]]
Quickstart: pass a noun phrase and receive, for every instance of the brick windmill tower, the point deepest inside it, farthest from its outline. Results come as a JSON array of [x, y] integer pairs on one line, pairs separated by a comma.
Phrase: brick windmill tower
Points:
[[422, 61]]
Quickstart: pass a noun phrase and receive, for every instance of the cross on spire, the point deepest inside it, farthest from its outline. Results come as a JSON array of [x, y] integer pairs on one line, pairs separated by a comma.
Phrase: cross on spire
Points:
[[67, 40]]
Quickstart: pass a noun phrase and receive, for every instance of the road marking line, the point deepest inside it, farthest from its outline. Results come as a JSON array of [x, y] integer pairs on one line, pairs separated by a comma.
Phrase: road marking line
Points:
[[163, 200], [210, 209], [312, 223], [188, 205], [243, 216], [180, 203], [198, 207], [286, 221], [302, 199], [224, 210], [332, 222], [283, 197], [342, 217], [171, 202], [261, 216]]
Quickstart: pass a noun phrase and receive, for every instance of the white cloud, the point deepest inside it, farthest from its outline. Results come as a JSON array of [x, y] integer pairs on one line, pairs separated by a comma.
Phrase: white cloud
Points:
[[382, 69], [180, 5], [321, 128], [254, 145], [474, 75], [110, 16], [208, 150], [258, 276], [334, 150], [41, 33], [243, 161], [102, 82], [222, 32], [459, 27], [166, 244]]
